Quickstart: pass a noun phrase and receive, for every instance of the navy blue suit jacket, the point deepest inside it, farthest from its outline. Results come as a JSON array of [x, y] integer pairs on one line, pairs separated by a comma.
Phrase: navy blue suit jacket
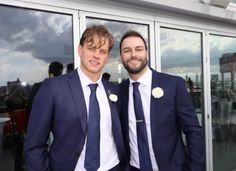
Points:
[[59, 106], [169, 115]]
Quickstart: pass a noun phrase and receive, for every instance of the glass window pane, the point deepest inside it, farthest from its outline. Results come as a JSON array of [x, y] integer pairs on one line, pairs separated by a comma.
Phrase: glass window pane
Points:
[[181, 54], [233, 1], [114, 67], [29, 41], [223, 100]]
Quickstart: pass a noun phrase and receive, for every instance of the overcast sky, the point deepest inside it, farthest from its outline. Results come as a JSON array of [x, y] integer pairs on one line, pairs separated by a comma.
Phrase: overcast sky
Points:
[[181, 51], [30, 40]]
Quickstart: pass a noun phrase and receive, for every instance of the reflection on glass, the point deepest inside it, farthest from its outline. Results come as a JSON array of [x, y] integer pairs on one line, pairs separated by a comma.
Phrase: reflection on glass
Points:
[[181, 55], [29, 41], [117, 28], [223, 100], [233, 1]]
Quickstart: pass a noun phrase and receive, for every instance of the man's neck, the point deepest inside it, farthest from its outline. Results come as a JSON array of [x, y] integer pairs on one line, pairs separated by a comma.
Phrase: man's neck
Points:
[[135, 77], [92, 76]]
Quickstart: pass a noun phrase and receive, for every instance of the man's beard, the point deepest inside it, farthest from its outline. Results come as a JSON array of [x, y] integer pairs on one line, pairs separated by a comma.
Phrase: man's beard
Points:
[[135, 70]]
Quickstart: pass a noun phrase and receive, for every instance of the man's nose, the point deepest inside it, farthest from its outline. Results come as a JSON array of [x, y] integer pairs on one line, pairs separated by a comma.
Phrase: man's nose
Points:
[[96, 54], [133, 53]]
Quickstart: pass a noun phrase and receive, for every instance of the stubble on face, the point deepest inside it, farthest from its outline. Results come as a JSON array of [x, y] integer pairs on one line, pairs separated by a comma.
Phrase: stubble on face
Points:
[[134, 56], [134, 70]]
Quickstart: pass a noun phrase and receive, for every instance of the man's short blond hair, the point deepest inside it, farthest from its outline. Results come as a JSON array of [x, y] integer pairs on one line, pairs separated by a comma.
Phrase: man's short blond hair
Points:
[[101, 32]]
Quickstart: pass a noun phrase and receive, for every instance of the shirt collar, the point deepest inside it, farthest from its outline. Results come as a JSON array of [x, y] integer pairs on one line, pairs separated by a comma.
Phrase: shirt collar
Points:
[[144, 79], [85, 81]]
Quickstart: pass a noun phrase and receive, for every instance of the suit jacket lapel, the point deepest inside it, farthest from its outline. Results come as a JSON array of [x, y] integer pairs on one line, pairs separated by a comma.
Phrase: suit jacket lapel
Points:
[[78, 96], [116, 126], [125, 102], [108, 91], [124, 94], [154, 103], [114, 114]]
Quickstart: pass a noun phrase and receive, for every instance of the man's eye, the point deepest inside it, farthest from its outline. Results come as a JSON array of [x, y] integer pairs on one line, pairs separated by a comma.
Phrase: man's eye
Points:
[[126, 50], [103, 52], [139, 49]]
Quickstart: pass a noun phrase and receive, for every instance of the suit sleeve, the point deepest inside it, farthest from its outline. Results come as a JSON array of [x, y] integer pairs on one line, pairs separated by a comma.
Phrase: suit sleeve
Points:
[[36, 148], [189, 124]]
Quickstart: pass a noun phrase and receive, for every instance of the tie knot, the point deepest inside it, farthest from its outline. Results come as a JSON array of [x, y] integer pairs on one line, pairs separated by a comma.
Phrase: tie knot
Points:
[[136, 84], [93, 87]]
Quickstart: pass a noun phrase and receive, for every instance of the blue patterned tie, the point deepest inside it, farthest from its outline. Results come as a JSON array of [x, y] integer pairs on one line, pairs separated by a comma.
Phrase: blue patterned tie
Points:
[[92, 153], [143, 148]]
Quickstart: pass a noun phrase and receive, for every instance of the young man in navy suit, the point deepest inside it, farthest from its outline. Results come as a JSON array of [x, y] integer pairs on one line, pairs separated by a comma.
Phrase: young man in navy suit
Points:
[[156, 109], [79, 108]]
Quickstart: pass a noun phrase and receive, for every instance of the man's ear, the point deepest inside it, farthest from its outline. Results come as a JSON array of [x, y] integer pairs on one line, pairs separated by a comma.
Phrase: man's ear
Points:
[[50, 75], [79, 50]]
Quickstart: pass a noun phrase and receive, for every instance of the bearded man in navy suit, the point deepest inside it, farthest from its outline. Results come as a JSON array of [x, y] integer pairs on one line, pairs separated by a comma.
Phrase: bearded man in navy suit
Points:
[[156, 109], [65, 105]]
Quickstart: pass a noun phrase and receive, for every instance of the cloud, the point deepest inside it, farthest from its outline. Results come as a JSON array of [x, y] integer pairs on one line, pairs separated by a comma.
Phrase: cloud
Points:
[[30, 40], [14, 21], [180, 51], [220, 45], [180, 59], [50, 42], [47, 36]]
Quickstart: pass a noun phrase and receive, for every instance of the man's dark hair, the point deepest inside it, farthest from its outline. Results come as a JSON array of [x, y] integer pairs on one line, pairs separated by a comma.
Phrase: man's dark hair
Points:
[[69, 67], [55, 68], [132, 34]]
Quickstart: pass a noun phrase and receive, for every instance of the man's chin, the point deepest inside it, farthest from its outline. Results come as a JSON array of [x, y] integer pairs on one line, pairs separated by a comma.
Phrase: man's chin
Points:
[[134, 70]]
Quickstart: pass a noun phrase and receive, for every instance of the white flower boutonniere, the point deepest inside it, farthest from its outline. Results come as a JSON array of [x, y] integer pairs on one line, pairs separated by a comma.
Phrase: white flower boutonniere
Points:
[[113, 97], [157, 92]]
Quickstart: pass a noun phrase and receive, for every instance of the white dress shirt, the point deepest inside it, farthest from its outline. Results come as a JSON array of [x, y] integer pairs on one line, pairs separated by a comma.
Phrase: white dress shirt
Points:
[[108, 153], [145, 91]]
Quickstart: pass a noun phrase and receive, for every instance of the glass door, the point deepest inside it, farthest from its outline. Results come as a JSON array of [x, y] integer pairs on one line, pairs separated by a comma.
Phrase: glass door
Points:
[[181, 54], [223, 101]]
